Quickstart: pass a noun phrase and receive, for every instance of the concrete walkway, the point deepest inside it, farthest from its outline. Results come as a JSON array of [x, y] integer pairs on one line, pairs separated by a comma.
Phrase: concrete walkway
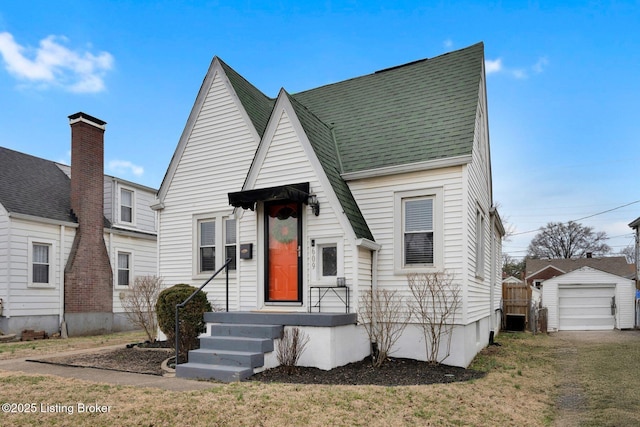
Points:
[[100, 375]]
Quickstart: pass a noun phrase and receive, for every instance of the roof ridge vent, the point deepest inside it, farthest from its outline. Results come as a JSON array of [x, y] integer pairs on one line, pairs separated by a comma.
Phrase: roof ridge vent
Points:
[[401, 65]]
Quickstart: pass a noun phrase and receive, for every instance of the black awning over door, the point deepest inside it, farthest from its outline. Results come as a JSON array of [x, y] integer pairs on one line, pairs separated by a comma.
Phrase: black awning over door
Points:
[[247, 199]]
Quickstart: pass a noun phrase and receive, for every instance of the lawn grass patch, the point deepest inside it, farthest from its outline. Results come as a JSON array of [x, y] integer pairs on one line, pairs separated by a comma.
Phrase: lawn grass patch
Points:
[[610, 378], [13, 350], [498, 398]]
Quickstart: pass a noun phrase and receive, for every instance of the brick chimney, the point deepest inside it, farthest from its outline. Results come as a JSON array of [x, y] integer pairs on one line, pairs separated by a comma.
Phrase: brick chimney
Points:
[[88, 278]]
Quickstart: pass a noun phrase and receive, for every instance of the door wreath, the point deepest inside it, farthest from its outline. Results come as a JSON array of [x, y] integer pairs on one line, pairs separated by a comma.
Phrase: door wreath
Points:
[[284, 231]]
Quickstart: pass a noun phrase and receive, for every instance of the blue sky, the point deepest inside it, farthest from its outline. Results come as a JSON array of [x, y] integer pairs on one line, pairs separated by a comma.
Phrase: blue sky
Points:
[[563, 82]]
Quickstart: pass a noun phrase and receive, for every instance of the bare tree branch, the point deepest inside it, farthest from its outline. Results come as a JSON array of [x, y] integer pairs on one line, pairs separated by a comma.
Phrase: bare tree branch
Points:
[[570, 240], [436, 301], [139, 304], [382, 314]]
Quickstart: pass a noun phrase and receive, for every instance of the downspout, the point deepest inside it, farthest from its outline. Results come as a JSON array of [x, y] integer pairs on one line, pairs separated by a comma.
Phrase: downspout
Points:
[[61, 265], [6, 305], [492, 285], [374, 289]]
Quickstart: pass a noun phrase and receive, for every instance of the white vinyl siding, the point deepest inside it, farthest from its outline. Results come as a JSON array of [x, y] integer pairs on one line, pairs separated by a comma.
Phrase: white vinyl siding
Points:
[[30, 298], [286, 152], [143, 218], [219, 150], [143, 260], [581, 300], [477, 264]]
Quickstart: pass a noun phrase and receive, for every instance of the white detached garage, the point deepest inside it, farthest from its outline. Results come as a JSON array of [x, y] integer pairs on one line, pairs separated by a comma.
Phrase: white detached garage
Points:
[[589, 299]]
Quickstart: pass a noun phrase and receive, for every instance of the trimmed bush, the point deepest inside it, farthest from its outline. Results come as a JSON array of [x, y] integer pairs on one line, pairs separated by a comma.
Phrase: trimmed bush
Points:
[[191, 316]]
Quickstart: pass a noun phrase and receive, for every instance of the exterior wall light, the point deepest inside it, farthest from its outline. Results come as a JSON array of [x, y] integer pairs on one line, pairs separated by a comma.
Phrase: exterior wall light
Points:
[[314, 204]]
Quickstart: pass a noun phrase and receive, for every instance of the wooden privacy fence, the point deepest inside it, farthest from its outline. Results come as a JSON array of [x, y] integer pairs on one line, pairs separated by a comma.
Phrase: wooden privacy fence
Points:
[[516, 301]]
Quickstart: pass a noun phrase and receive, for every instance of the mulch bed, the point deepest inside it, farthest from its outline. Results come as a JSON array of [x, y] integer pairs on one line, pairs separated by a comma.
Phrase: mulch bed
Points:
[[127, 359], [394, 372]]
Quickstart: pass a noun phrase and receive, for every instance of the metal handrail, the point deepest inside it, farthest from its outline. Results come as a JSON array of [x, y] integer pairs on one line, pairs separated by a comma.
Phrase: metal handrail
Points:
[[224, 267]]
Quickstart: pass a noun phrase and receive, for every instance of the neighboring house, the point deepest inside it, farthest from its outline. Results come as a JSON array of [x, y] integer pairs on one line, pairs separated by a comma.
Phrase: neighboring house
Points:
[[357, 183], [589, 299], [71, 242], [537, 271]]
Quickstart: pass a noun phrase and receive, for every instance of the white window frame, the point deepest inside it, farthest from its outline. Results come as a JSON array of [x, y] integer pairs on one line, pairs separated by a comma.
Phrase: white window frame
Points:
[[220, 221], [436, 194], [51, 244], [117, 268], [316, 260], [122, 188], [480, 244]]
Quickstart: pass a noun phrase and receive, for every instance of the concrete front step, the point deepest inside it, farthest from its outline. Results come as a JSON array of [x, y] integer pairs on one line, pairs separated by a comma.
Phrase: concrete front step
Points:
[[254, 345], [226, 357], [246, 330], [217, 372]]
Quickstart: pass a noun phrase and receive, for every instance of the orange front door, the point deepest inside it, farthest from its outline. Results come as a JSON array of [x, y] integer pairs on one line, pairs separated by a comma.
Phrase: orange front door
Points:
[[283, 253]]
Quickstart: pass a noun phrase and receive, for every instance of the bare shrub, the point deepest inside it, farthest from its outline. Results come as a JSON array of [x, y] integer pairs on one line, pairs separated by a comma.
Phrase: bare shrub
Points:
[[139, 304], [290, 347], [382, 314], [436, 300]]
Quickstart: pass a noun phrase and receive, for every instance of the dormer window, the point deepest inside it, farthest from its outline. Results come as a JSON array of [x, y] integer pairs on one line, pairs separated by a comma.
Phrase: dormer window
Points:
[[126, 205]]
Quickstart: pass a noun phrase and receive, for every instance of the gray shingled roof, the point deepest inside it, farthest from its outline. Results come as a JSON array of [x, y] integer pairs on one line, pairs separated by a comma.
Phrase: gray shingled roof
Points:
[[614, 265], [33, 186], [421, 111]]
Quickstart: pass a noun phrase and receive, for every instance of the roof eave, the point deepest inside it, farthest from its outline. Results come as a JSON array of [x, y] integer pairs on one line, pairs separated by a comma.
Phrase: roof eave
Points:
[[26, 217], [409, 167]]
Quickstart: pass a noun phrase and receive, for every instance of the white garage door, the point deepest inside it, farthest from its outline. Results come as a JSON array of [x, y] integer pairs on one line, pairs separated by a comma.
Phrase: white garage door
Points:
[[586, 307]]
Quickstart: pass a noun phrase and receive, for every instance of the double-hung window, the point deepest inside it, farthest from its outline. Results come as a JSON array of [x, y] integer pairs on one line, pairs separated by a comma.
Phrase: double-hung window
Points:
[[126, 205], [40, 263], [418, 230], [124, 268], [230, 241], [207, 246], [480, 244], [216, 241]]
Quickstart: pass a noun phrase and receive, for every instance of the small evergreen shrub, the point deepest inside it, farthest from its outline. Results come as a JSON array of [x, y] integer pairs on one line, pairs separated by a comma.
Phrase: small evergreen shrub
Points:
[[191, 316]]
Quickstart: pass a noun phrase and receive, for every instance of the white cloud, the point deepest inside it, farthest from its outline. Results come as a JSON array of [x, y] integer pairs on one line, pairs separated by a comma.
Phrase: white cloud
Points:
[[53, 64], [493, 66], [539, 66], [496, 66], [519, 73], [448, 43], [125, 167]]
